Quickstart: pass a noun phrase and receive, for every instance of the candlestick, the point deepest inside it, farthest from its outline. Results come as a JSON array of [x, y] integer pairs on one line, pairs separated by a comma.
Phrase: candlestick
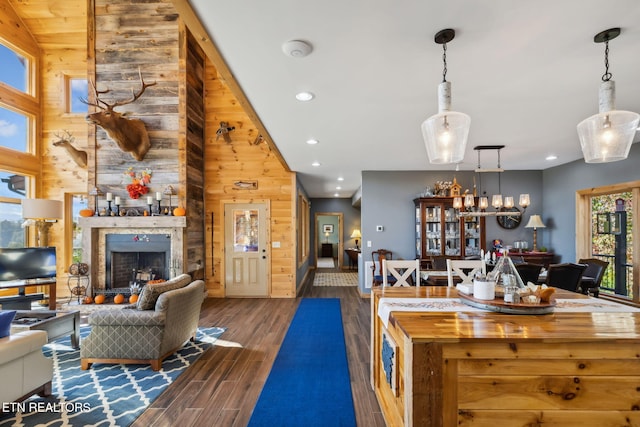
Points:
[[109, 211], [159, 208], [158, 195], [109, 197], [118, 201]]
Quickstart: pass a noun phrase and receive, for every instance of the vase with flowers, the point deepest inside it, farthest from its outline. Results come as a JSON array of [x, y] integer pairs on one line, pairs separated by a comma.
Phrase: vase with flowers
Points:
[[137, 182]]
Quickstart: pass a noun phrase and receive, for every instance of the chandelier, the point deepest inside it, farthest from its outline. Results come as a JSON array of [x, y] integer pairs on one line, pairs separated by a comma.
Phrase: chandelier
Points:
[[445, 134], [503, 205]]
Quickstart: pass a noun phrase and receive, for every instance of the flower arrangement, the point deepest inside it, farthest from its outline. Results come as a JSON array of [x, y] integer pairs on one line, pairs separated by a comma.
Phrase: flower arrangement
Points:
[[137, 182]]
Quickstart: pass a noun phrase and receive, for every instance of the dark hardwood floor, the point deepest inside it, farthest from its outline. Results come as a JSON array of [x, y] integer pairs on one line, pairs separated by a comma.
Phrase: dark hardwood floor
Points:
[[222, 387]]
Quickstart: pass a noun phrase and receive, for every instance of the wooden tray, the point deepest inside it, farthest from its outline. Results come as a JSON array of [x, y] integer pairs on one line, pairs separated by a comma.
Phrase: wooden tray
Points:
[[498, 305]]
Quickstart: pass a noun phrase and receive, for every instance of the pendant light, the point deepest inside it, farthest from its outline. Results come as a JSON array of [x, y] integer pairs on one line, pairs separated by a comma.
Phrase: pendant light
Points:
[[445, 134], [608, 135]]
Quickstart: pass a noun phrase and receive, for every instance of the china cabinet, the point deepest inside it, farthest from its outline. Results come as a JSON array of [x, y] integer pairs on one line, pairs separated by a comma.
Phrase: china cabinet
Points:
[[440, 231]]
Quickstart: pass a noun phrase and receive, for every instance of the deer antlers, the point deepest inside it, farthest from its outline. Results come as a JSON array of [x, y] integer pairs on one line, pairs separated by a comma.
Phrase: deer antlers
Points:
[[110, 107]]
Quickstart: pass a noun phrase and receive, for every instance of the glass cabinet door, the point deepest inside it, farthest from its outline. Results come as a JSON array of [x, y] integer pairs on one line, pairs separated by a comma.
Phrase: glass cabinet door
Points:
[[451, 232], [433, 230], [418, 232], [472, 236]]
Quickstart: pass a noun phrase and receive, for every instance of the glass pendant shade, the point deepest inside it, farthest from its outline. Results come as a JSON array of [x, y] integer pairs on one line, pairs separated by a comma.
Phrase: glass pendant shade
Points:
[[445, 136], [607, 137]]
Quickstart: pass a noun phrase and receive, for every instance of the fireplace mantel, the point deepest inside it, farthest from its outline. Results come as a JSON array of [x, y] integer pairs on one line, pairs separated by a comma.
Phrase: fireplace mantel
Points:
[[95, 230]]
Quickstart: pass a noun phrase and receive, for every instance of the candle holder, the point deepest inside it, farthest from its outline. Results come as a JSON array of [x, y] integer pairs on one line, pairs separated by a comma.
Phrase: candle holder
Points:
[[159, 207], [169, 191], [95, 192], [117, 209], [109, 211], [150, 211]]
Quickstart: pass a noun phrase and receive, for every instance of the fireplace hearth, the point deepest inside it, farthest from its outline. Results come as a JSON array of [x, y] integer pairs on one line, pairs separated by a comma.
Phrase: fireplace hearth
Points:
[[141, 247]]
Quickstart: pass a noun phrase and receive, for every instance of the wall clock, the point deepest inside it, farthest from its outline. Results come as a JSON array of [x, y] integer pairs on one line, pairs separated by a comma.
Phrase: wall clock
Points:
[[509, 222]]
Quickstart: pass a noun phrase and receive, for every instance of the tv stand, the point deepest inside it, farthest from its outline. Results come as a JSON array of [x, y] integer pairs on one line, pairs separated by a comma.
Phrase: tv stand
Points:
[[22, 301]]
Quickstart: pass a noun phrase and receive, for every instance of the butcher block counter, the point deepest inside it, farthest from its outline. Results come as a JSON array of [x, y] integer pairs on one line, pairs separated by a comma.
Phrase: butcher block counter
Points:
[[439, 362]]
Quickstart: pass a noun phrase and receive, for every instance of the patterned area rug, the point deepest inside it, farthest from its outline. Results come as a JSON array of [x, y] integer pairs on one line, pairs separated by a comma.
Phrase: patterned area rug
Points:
[[106, 394], [336, 279]]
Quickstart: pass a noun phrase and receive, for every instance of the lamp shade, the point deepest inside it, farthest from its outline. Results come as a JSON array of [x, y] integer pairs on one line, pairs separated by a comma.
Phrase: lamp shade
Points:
[[41, 209], [535, 222], [356, 234], [445, 136], [607, 137]]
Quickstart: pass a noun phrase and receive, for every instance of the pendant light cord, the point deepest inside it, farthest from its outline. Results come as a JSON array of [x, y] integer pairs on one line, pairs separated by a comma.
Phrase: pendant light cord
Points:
[[607, 75], [444, 61]]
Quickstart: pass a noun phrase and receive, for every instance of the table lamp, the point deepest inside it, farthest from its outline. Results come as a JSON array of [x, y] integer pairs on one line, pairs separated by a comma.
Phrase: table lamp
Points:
[[356, 235], [535, 222], [44, 213]]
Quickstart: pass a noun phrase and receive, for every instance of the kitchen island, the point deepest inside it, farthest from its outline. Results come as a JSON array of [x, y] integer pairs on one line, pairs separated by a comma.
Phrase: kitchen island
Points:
[[438, 362]]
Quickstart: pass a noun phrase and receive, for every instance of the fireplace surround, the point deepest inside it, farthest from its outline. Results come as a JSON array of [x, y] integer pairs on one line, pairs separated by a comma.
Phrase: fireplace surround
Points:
[[95, 232]]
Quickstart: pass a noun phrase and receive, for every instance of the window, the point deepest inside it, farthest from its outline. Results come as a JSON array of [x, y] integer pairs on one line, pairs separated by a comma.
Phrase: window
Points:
[[74, 203], [15, 69], [606, 229], [12, 190], [14, 130], [76, 90]]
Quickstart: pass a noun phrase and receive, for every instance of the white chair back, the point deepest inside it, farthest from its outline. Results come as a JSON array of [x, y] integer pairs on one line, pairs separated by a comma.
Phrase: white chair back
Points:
[[457, 267], [401, 270]]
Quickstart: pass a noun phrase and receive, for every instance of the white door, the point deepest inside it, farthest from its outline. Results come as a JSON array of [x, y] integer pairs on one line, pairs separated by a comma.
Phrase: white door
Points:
[[246, 250]]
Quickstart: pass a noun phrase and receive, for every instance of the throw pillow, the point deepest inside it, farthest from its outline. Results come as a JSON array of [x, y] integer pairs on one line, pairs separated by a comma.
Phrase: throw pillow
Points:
[[6, 317], [151, 292]]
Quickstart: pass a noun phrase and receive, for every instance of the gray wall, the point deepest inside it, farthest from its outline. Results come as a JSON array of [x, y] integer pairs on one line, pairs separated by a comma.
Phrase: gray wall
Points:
[[351, 220], [387, 200], [301, 269], [560, 185]]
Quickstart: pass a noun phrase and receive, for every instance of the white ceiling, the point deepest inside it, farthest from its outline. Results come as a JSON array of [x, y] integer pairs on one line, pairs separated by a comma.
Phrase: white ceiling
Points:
[[526, 72]]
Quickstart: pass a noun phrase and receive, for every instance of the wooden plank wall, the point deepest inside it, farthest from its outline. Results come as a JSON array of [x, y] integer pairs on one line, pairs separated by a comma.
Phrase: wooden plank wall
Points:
[[226, 163]]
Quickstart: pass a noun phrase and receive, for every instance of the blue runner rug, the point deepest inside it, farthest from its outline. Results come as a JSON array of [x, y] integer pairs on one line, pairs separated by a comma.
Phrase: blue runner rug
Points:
[[309, 383], [106, 394]]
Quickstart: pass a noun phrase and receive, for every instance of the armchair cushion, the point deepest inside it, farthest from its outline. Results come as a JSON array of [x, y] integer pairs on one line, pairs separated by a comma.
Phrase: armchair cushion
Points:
[[151, 292], [6, 317]]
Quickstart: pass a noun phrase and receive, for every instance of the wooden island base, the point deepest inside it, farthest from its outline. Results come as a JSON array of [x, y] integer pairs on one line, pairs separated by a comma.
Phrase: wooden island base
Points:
[[477, 368]]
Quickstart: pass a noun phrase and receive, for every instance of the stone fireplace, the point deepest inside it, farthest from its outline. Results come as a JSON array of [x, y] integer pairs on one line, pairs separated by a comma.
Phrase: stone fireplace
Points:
[[140, 249]]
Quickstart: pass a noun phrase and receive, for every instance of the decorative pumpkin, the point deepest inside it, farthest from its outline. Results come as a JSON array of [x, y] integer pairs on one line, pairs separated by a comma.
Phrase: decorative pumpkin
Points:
[[179, 211], [87, 300], [118, 299], [86, 212], [133, 298], [99, 299]]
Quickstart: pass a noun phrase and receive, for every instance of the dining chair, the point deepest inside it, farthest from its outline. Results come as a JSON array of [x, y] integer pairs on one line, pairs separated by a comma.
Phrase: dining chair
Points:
[[592, 275], [565, 276], [402, 271], [529, 272], [465, 269], [378, 256]]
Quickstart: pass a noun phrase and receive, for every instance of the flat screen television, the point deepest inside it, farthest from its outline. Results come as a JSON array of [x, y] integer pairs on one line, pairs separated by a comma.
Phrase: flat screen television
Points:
[[27, 263]]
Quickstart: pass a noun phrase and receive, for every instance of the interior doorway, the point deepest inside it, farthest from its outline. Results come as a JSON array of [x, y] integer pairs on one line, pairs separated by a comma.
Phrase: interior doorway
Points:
[[328, 239]]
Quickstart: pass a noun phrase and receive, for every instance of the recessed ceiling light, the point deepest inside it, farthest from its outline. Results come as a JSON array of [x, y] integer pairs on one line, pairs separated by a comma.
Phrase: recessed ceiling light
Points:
[[304, 96], [340, 178], [312, 141], [315, 164], [551, 157], [336, 195], [338, 188]]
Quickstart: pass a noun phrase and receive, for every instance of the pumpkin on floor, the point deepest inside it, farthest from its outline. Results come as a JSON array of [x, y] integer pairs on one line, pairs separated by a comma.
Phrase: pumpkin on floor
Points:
[[87, 300], [99, 299], [133, 298], [118, 299]]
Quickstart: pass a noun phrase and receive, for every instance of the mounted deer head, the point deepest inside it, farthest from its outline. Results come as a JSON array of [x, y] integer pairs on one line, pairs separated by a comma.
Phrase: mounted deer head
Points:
[[65, 140], [130, 134]]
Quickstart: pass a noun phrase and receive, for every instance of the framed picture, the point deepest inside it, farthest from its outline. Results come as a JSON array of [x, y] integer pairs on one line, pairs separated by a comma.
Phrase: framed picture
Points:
[[327, 228]]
